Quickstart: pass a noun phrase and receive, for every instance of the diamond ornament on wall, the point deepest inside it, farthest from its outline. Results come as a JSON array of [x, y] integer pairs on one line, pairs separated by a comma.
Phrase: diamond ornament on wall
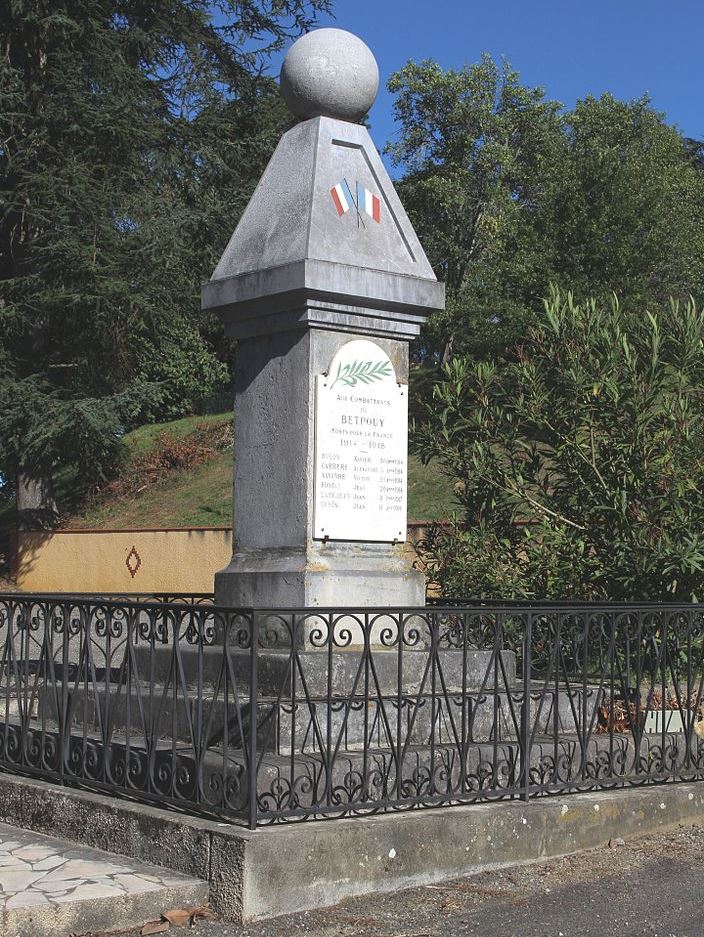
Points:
[[133, 562]]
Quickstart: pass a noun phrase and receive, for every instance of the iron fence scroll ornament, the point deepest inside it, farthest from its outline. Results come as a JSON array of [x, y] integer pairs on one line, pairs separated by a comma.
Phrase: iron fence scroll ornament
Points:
[[267, 716]]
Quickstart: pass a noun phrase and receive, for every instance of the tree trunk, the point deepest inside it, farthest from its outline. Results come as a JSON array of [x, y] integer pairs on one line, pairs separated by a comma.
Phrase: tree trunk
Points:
[[36, 508], [447, 351]]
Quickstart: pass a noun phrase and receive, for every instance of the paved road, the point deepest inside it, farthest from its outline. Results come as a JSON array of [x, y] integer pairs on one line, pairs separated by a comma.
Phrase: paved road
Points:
[[651, 886]]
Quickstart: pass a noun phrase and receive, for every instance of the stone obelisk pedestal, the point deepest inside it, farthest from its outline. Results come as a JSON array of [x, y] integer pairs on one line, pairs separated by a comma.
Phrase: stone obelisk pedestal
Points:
[[324, 283]]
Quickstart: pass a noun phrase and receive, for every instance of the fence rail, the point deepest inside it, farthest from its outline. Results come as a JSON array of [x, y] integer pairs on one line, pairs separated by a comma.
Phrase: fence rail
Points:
[[259, 716]]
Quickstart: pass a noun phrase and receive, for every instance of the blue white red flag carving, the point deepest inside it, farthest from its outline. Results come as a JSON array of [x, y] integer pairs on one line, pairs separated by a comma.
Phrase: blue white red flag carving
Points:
[[342, 197], [366, 202]]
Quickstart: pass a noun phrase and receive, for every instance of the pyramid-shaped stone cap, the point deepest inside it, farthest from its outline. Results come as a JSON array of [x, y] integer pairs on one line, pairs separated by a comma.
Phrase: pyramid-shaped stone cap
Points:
[[324, 241]]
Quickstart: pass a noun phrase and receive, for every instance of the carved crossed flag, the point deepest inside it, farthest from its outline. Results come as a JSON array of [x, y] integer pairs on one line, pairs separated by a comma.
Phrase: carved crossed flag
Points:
[[366, 202]]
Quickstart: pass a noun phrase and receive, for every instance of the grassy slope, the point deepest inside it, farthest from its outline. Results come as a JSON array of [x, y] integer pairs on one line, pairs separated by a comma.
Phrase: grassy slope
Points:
[[202, 497], [144, 437]]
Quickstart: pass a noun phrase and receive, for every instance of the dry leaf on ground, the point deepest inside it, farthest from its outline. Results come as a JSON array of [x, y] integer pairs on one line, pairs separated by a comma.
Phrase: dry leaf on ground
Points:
[[178, 917], [154, 927]]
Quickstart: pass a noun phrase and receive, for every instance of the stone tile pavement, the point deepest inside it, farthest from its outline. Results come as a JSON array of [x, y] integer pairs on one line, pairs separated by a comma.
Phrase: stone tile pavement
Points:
[[49, 886]]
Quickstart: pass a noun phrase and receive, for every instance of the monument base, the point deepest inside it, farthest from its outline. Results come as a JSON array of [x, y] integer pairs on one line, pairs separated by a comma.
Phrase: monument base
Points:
[[345, 858], [363, 575]]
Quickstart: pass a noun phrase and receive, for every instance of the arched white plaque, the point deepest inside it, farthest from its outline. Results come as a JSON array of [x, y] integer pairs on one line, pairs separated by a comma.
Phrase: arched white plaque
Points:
[[361, 447]]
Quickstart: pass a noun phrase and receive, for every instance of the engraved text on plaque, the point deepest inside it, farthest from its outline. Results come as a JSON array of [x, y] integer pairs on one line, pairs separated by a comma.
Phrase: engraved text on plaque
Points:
[[361, 447]]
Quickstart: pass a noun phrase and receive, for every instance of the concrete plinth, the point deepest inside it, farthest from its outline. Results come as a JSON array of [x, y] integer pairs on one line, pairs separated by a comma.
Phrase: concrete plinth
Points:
[[325, 575], [277, 562], [280, 869]]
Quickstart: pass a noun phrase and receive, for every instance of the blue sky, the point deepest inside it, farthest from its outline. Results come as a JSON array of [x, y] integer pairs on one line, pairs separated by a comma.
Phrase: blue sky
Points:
[[570, 48]]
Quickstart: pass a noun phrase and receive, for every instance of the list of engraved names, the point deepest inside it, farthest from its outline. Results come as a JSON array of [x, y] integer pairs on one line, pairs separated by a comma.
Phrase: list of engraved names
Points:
[[361, 436]]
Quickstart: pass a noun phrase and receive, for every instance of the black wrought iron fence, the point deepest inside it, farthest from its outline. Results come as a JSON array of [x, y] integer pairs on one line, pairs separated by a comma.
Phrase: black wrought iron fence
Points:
[[185, 598], [259, 716]]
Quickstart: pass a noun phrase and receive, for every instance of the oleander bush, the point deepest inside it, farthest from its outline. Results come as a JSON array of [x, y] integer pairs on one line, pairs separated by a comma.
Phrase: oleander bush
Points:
[[580, 459]]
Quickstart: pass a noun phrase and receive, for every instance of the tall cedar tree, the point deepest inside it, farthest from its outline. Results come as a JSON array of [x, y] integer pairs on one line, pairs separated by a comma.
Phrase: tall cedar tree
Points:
[[131, 135]]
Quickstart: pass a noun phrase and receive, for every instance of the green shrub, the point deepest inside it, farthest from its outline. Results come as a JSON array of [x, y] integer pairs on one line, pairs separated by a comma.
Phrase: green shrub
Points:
[[580, 460]]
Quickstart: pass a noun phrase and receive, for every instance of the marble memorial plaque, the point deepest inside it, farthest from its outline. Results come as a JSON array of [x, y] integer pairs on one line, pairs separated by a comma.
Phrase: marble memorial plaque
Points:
[[361, 447]]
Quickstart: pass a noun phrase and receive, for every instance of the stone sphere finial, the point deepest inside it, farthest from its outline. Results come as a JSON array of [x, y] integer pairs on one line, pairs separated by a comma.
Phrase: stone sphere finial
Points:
[[329, 73]]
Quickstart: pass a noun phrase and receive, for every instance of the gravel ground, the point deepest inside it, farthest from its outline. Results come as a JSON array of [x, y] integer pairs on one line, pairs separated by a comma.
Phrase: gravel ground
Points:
[[649, 886]]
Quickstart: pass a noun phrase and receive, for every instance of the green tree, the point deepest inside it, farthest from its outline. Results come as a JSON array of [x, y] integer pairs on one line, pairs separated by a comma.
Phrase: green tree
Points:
[[131, 134], [626, 214], [478, 150], [580, 462], [510, 194]]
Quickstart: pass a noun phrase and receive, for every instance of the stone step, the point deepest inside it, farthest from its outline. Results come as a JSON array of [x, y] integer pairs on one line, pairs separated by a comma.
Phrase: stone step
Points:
[[52, 887], [491, 766], [446, 773], [341, 673], [216, 780], [303, 725]]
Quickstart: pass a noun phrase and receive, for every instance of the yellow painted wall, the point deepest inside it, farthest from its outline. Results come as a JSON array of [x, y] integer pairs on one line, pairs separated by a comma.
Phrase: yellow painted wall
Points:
[[96, 560], [177, 560]]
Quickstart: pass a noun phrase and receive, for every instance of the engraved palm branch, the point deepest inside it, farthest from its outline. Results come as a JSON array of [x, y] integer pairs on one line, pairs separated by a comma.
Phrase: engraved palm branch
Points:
[[365, 372]]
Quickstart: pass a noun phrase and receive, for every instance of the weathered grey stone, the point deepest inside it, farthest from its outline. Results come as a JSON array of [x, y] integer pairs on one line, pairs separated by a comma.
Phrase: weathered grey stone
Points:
[[294, 867], [163, 838], [205, 667], [277, 562], [274, 445], [292, 262], [321, 574], [386, 853], [331, 73]]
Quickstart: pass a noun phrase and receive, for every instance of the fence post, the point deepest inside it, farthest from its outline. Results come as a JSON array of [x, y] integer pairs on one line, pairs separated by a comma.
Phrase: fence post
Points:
[[253, 693], [525, 745]]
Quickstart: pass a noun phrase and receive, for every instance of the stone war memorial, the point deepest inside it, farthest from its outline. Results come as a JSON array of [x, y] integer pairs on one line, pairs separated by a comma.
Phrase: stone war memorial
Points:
[[314, 728], [324, 284]]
